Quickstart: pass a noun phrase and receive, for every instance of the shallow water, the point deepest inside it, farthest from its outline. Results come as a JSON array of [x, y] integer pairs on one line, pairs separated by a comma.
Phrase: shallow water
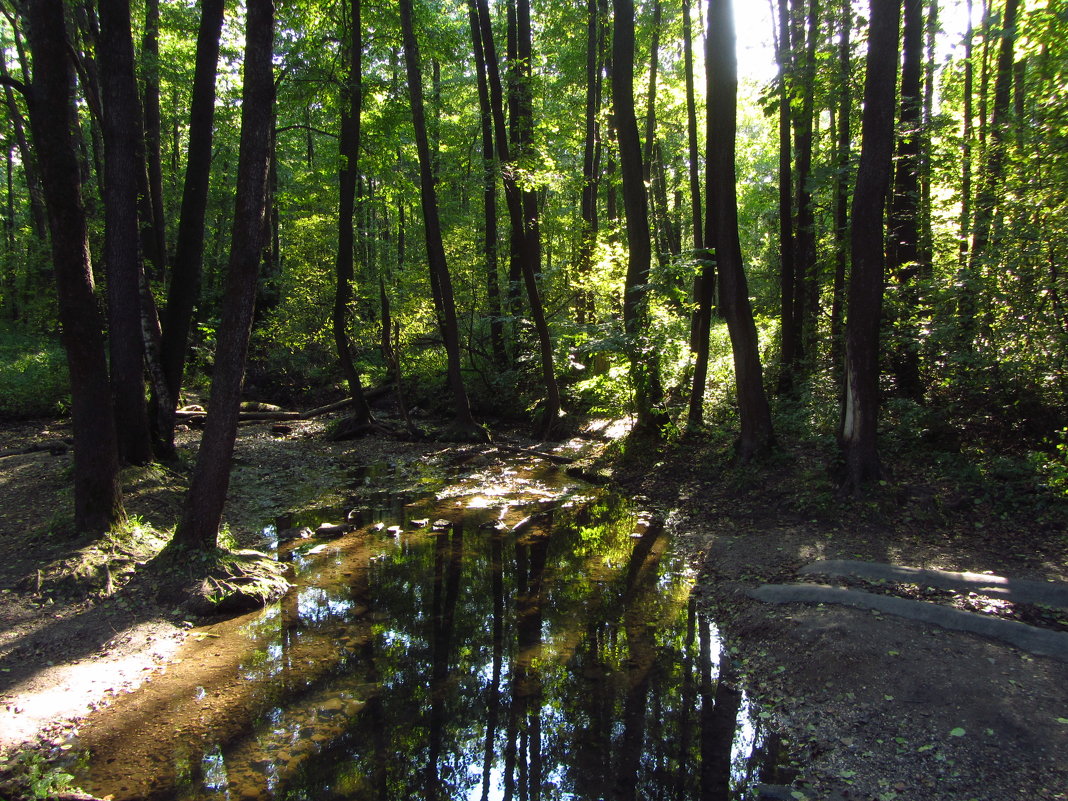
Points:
[[542, 645]]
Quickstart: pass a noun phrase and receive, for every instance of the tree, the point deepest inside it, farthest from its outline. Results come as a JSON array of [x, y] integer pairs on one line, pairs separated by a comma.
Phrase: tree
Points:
[[348, 177], [756, 434], [184, 288], [199, 525], [902, 251], [121, 132], [97, 495], [464, 425], [861, 405], [645, 369]]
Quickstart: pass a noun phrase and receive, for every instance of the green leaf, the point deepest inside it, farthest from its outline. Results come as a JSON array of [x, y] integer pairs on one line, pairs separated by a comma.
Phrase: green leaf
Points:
[[957, 732]]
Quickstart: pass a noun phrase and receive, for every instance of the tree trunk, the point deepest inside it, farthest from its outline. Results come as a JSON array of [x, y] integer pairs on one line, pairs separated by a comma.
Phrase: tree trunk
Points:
[[645, 370], [966, 146], [97, 497], [756, 435], [591, 157], [992, 177], [805, 287], [122, 130], [464, 426], [348, 175], [189, 249], [841, 185], [489, 194], [38, 215], [199, 526], [522, 206], [790, 340], [150, 76], [694, 172], [861, 408], [902, 249]]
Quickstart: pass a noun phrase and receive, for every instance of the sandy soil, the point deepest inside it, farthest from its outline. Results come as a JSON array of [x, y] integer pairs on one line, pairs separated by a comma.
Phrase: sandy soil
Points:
[[872, 707]]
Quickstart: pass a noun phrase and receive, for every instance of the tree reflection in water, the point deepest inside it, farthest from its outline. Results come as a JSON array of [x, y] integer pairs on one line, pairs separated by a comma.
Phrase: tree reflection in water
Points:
[[563, 660]]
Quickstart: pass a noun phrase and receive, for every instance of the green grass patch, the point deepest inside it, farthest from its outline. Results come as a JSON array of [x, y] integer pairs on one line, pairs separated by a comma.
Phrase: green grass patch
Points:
[[33, 376]]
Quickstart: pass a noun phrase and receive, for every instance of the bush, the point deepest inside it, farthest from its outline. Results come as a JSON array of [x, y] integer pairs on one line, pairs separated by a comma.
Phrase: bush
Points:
[[33, 376]]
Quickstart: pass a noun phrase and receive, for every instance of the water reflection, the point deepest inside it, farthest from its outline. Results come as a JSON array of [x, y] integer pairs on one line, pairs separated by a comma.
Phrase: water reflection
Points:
[[542, 647]]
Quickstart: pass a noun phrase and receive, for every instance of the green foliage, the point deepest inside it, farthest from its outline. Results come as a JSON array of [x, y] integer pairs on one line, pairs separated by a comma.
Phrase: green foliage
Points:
[[28, 774], [33, 375]]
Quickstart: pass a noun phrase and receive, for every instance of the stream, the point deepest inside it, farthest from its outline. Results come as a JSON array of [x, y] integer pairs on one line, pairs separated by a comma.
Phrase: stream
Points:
[[492, 629]]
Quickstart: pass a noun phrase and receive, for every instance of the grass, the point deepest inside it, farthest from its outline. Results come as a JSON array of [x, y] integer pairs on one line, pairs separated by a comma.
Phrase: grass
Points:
[[33, 375]]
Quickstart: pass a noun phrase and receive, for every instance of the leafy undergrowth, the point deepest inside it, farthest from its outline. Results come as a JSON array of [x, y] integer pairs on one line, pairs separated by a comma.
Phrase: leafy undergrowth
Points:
[[219, 580], [29, 774]]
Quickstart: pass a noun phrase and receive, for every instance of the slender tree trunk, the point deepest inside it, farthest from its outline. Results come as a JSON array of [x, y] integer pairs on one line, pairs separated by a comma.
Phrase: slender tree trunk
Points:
[[902, 250], [38, 215], [464, 424], [153, 127], [189, 248], [122, 129], [591, 156], [694, 172], [97, 497], [648, 146], [861, 408], [645, 369], [522, 206], [841, 184], [348, 176], [756, 435], [986, 201], [489, 194], [966, 146], [805, 293], [926, 243], [199, 526], [790, 342]]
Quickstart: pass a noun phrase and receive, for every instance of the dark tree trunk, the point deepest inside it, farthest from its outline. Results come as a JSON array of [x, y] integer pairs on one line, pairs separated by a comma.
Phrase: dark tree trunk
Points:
[[464, 424], [97, 497], [925, 254], [841, 184], [348, 176], [756, 435], [986, 200], [694, 172], [790, 340], [591, 157], [902, 249], [966, 146], [189, 249], [522, 206], [489, 194], [122, 130], [199, 526], [150, 76], [38, 215], [805, 288], [861, 408], [644, 365]]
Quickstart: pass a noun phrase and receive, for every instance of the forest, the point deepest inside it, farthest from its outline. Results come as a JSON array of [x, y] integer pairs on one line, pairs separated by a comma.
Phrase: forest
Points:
[[828, 287], [531, 214]]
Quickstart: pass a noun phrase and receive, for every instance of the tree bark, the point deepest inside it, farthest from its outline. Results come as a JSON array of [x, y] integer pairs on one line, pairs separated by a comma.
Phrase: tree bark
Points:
[[591, 158], [489, 194], [464, 426], [861, 407], [348, 176], [97, 496], [121, 131], [756, 436], [789, 339], [184, 286], [645, 370], [199, 526], [150, 76], [694, 172], [966, 145], [841, 185], [902, 249]]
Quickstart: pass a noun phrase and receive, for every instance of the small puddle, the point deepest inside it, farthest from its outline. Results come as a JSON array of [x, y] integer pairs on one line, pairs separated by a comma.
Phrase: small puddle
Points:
[[539, 643]]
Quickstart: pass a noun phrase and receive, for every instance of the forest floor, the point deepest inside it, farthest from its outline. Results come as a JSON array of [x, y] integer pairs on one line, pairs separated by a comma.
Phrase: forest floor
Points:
[[870, 706]]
